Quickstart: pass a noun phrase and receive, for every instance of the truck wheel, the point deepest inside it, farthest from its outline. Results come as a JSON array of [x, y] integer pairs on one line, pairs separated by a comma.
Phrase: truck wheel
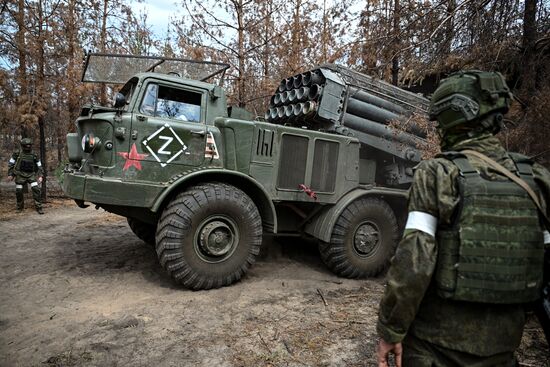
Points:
[[208, 236], [144, 231], [363, 239]]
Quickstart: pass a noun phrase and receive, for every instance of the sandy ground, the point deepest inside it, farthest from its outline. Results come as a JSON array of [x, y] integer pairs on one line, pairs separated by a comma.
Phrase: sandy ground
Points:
[[77, 288]]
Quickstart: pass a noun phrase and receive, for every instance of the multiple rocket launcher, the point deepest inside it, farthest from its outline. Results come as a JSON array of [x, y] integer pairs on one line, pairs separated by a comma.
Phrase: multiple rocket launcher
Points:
[[336, 99]]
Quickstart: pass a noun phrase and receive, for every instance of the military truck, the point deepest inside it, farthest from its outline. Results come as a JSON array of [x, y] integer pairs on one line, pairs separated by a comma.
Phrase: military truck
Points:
[[204, 182]]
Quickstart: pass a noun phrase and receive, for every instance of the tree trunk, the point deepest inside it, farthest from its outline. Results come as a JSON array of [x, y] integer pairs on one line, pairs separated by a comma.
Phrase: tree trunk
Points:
[[20, 40], [40, 93], [241, 93], [449, 28], [43, 158], [295, 39], [396, 43], [103, 48], [528, 74]]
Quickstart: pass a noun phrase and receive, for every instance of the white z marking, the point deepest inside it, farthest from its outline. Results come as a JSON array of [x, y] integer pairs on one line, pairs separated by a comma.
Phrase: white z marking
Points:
[[168, 141]]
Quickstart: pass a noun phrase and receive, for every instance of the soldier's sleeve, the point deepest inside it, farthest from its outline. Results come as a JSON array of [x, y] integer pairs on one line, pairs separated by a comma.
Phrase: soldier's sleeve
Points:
[[11, 164], [38, 166], [542, 177], [432, 199]]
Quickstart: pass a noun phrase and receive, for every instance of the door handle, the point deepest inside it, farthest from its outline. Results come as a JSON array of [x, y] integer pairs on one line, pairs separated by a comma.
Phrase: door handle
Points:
[[198, 132]]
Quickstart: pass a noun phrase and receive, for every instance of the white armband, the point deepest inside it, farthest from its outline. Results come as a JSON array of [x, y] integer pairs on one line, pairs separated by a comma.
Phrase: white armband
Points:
[[422, 222], [546, 237]]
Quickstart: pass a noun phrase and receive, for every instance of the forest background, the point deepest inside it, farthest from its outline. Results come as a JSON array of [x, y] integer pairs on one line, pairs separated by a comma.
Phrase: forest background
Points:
[[410, 43]]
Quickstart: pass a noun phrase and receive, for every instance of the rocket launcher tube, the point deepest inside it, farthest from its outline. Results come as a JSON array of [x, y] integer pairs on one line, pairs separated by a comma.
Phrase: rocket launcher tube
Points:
[[297, 81], [292, 96], [302, 94], [369, 111], [312, 77], [314, 92], [380, 130], [282, 86], [288, 110], [298, 109], [289, 83], [364, 96], [277, 99], [284, 97], [378, 114]]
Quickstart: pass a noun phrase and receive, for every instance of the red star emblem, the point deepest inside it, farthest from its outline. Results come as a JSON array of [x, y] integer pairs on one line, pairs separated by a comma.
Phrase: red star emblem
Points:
[[133, 158]]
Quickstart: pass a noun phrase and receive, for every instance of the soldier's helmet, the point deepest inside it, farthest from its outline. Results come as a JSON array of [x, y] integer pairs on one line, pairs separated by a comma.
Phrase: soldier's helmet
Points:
[[26, 144], [471, 95]]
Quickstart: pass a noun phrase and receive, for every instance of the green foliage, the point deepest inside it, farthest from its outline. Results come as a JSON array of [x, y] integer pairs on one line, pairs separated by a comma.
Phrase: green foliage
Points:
[[58, 172]]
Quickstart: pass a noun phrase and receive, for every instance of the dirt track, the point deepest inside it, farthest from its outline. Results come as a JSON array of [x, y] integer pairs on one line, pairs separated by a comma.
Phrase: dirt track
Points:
[[77, 288]]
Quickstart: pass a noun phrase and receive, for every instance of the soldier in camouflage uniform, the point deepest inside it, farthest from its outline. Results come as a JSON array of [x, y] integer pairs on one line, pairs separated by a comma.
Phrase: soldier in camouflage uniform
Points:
[[25, 167], [471, 256]]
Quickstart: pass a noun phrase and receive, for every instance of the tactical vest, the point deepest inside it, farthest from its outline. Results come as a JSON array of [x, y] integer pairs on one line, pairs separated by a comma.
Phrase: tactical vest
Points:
[[26, 163], [493, 251]]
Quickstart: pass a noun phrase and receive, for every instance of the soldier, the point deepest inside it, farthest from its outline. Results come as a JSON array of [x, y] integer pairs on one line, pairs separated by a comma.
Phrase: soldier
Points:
[[472, 253], [25, 167]]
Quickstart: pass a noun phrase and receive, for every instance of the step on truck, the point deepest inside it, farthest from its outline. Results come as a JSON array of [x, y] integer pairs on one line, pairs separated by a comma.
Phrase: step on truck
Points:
[[204, 183]]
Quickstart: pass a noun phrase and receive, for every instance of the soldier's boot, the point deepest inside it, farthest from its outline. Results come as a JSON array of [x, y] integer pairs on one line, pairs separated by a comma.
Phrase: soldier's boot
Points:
[[20, 197], [36, 196]]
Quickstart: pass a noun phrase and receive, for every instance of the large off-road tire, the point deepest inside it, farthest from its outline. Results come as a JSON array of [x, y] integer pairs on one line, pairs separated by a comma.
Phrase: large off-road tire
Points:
[[363, 239], [208, 236], [144, 231]]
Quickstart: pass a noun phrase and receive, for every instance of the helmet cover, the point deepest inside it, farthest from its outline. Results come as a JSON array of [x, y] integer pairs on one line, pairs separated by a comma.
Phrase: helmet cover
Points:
[[26, 144], [467, 96]]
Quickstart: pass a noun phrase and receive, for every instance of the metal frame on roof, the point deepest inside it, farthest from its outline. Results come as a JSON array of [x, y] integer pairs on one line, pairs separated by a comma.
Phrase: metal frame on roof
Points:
[[222, 67]]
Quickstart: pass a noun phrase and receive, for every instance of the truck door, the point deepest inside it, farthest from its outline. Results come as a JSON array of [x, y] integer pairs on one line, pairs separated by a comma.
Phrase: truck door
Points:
[[169, 125]]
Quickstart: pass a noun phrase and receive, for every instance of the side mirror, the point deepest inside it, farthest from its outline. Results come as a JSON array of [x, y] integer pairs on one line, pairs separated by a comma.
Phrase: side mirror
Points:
[[120, 100], [216, 92]]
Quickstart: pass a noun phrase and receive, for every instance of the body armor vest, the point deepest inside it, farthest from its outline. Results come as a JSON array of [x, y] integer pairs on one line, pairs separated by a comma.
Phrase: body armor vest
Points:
[[493, 251], [25, 163]]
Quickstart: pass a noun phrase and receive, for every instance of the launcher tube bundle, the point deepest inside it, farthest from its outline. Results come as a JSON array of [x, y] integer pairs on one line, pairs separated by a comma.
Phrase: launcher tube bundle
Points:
[[336, 99]]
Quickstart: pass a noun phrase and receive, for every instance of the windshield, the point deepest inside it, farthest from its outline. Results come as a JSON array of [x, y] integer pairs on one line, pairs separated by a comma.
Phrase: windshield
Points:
[[173, 103]]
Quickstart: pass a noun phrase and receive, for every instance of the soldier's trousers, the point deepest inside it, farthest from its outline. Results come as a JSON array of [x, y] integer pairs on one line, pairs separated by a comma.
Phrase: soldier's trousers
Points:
[[35, 193], [420, 353]]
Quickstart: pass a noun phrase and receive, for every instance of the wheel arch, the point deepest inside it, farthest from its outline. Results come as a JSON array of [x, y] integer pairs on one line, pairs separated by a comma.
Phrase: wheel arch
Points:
[[321, 225], [251, 187]]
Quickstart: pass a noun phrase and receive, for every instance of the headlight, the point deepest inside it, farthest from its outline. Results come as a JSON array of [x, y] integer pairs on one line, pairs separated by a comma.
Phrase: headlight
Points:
[[90, 143]]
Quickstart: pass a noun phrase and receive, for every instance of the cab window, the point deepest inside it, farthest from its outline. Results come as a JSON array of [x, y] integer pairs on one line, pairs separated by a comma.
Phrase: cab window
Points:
[[172, 103]]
